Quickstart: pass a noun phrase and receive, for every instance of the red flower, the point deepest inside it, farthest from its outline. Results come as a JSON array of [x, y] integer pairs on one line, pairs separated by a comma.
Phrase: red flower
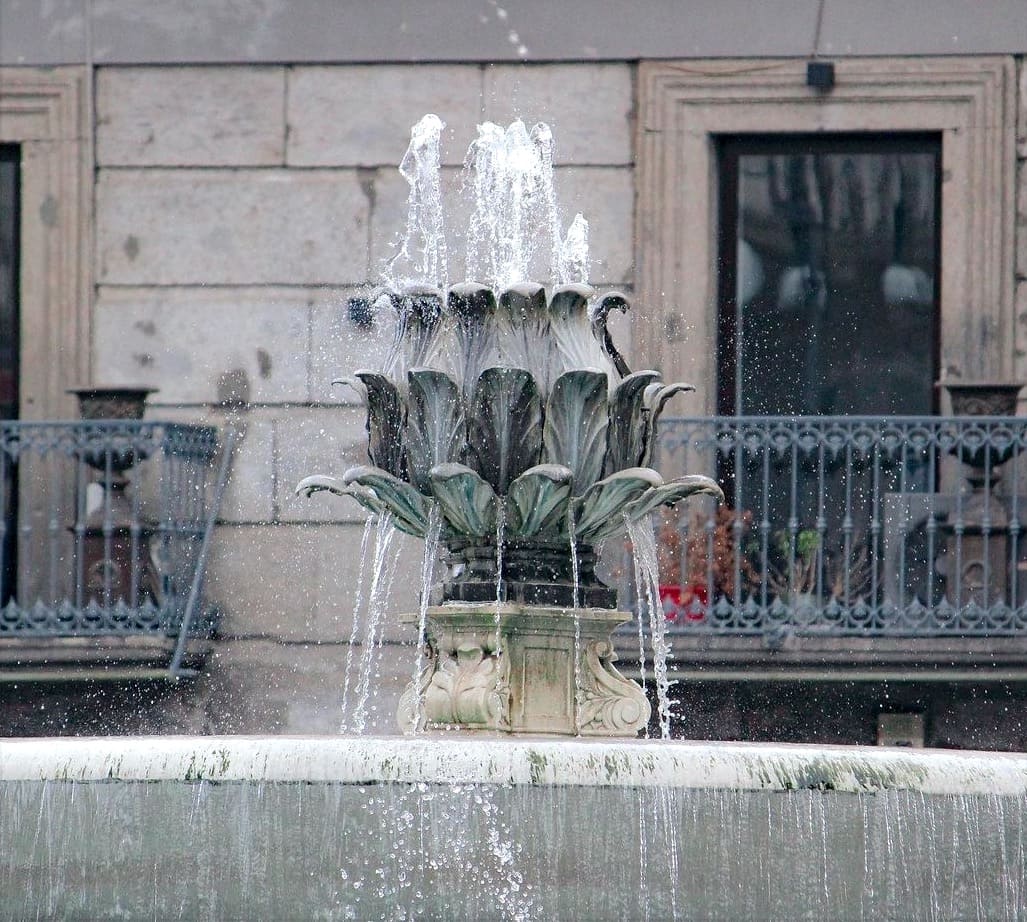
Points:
[[684, 603]]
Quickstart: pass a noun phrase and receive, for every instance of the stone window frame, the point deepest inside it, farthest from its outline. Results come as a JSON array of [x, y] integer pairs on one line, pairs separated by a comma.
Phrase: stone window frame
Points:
[[685, 105], [45, 112]]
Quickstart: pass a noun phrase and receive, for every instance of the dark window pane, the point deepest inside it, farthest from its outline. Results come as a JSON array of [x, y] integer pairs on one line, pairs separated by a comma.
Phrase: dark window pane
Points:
[[9, 349], [8, 282], [832, 309]]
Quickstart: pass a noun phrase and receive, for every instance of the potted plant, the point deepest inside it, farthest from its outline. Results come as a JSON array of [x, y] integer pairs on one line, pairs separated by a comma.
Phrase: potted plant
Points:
[[701, 565], [808, 575]]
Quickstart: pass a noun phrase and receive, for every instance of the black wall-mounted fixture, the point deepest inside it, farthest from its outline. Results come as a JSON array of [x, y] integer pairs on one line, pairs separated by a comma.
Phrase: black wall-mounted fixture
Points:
[[820, 75], [360, 312]]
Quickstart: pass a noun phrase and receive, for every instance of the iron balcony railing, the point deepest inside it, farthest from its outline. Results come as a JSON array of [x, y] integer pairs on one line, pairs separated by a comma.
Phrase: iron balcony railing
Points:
[[104, 528], [858, 526]]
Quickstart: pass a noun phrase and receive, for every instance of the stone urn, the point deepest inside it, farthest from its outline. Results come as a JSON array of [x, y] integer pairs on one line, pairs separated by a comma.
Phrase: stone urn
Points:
[[115, 543], [979, 540], [983, 398], [113, 402]]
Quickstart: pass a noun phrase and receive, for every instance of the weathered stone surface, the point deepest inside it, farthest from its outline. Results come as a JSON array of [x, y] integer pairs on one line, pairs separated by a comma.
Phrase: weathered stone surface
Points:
[[588, 106], [606, 197], [278, 448], [241, 227], [275, 449], [1021, 112], [361, 115], [388, 218], [323, 440], [249, 494], [524, 669], [299, 582], [1021, 250], [1021, 218], [1020, 304], [264, 686], [338, 346], [190, 116], [201, 345]]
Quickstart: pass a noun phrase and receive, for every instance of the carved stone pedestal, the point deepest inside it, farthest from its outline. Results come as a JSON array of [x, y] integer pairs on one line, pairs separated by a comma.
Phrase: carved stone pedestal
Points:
[[523, 669]]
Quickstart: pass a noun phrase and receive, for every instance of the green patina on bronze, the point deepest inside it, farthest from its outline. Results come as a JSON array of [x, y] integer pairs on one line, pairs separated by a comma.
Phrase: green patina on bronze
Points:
[[519, 420]]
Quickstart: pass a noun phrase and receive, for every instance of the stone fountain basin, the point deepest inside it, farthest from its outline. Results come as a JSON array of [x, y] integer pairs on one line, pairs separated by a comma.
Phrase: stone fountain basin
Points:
[[479, 827]]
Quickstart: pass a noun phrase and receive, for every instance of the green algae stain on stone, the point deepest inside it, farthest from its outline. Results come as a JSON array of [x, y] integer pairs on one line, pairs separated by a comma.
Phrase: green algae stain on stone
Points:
[[852, 775], [221, 767], [538, 765]]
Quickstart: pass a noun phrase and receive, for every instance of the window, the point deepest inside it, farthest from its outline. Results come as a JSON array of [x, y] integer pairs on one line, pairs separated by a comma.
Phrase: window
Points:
[[685, 106], [45, 145], [9, 350], [9, 262], [828, 274]]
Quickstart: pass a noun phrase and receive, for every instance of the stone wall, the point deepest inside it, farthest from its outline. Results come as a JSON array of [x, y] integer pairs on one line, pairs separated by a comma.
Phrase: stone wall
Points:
[[471, 829], [1021, 222], [237, 209]]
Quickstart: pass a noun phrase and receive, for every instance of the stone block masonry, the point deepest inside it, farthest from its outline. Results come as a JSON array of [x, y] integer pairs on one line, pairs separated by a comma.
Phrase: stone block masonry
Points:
[[232, 227], [190, 116], [362, 115], [1020, 303], [238, 209]]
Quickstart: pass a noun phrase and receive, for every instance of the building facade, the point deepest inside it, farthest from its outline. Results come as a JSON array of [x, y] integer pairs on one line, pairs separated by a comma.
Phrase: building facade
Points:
[[202, 197]]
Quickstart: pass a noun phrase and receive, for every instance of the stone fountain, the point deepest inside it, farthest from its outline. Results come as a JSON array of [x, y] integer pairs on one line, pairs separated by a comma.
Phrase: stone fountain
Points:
[[519, 435], [505, 427], [508, 425]]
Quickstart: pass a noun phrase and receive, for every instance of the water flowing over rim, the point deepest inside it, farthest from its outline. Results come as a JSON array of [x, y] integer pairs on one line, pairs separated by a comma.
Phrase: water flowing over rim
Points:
[[436, 760]]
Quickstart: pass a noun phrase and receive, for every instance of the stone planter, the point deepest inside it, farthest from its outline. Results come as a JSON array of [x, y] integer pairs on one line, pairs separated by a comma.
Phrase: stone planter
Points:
[[114, 542], [515, 668], [112, 402], [983, 398], [979, 541]]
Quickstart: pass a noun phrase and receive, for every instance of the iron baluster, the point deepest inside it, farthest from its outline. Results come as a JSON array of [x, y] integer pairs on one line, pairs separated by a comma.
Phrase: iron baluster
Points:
[[910, 575]]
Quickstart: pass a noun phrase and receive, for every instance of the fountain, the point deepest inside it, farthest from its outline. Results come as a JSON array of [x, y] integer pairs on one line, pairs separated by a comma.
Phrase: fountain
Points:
[[532, 452], [505, 427], [509, 425]]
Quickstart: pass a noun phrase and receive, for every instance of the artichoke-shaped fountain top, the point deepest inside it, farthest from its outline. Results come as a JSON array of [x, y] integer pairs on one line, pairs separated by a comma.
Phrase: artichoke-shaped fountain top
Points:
[[513, 415], [468, 329]]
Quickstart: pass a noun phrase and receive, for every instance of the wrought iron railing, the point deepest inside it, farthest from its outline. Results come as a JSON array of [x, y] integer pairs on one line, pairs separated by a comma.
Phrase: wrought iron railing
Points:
[[104, 527], [858, 526]]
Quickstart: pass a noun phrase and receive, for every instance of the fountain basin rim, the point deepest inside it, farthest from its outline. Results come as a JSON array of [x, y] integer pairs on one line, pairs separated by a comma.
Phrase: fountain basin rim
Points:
[[439, 759]]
